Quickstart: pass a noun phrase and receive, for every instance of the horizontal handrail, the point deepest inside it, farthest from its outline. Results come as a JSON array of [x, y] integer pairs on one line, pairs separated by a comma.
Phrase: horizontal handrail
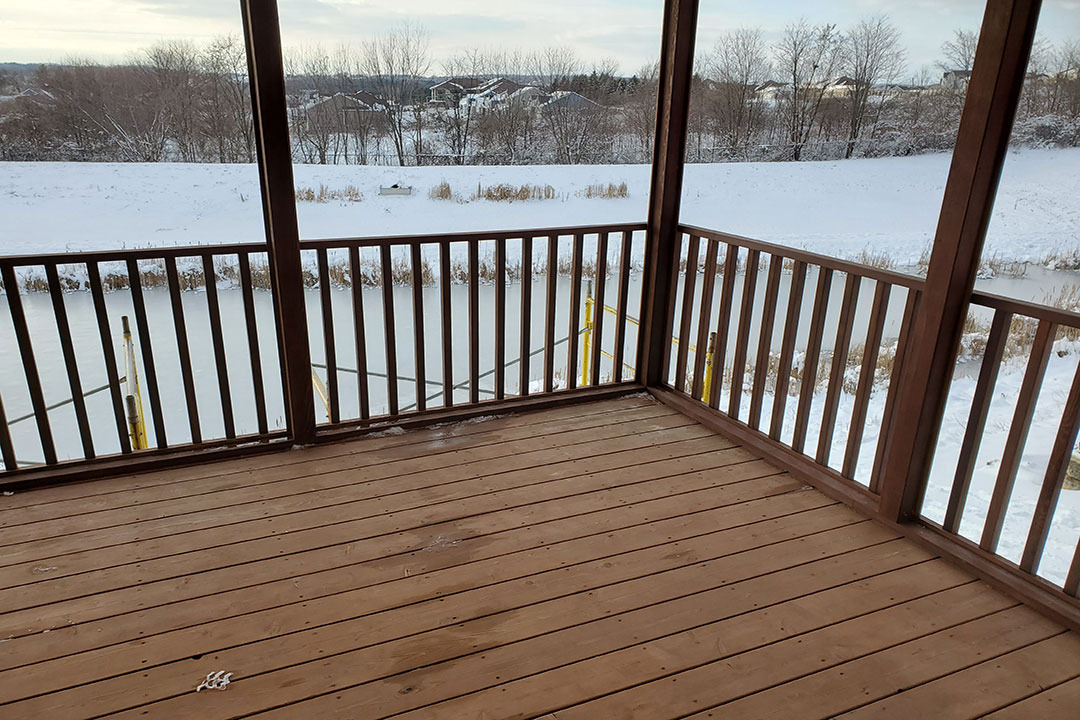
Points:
[[1027, 309], [892, 277], [472, 236]]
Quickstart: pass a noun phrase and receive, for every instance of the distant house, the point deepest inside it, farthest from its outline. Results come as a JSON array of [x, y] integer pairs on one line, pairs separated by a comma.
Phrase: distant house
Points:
[[956, 79], [568, 100], [452, 90], [492, 92], [839, 87], [770, 90], [340, 110]]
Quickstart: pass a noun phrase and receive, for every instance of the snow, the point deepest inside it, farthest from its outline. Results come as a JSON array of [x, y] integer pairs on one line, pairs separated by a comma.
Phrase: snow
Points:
[[837, 208]]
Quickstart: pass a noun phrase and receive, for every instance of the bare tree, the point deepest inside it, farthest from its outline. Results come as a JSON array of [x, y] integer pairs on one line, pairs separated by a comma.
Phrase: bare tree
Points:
[[960, 51], [738, 65], [872, 60], [396, 63], [807, 57], [228, 124]]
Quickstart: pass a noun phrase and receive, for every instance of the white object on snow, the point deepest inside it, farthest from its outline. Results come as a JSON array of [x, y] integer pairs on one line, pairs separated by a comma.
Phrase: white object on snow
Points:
[[215, 681], [395, 189]]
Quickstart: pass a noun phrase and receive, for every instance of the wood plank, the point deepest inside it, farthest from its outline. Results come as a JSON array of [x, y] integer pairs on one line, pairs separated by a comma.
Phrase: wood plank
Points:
[[987, 686], [480, 669], [616, 573], [1057, 703], [891, 672]]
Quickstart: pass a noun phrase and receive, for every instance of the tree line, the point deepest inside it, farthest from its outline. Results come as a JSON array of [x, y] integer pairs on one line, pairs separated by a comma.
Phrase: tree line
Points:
[[817, 92]]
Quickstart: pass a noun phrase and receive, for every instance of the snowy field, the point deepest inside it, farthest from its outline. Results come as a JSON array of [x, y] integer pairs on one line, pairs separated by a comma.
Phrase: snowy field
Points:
[[886, 206], [837, 208]]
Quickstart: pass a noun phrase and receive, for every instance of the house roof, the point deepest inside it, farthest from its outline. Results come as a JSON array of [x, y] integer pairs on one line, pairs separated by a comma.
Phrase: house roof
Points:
[[458, 83]]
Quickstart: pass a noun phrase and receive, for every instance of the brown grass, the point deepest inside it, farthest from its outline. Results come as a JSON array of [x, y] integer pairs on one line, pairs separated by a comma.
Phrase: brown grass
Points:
[[609, 191], [509, 193], [325, 194], [442, 191]]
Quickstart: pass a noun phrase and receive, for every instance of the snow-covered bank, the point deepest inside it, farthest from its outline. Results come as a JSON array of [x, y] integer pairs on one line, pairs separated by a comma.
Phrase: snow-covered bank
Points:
[[840, 208]]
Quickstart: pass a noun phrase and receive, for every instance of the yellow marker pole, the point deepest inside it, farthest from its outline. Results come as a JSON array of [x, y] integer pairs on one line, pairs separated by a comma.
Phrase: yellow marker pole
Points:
[[320, 389], [707, 385], [136, 415], [588, 337]]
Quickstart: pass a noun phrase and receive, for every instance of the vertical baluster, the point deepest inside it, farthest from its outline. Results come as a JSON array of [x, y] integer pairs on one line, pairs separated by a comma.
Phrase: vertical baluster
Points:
[[108, 355], [418, 326], [598, 307], [689, 287], [838, 366], [474, 322], [254, 356], [976, 424], [67, 349], [500, 318], [218, 339], [866, 378], [29, 362], [813, 357], [549, 317], [526, 315], [746, 314], [787, 350], [575, 312], [7, 449], [723, 324], [326, 303], [1072, 582], [668, 319], [447, 325], [183, 350], [359, 333], [1018, 432], [708, 284], [1064, 442], [149, 366], [389, 330], [620, 317], [888, 415], [768, 320]]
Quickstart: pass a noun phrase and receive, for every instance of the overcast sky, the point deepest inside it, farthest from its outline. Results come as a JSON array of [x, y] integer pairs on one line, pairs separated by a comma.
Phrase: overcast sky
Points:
[[624, 30]]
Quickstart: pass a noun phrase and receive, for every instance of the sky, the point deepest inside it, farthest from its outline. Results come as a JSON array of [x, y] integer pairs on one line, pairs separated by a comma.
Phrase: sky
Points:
[[626, 31]]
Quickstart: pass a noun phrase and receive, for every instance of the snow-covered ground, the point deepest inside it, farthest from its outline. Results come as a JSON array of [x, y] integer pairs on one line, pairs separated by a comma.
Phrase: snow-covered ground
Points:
[[844, 208], [837, 208]]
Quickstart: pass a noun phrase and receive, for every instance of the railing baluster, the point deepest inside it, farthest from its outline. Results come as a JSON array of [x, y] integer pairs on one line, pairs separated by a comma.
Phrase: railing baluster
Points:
[[693, 248], [447, 325], [255, 357], [183, 349], [742, 340], [111, 372], [887, 416], [813, 358], [549, 318], [218, 338], [29, 362], [7, 449], [389, 330], [871, 349], [708, 284], [526, 315], [418, 326], [838, 366], [326, 304], [67, 348], [764, 348], [1056, 468], [598, 307], [149, 366], [723, 324], [1072, 582], [474, 323], [620, 317], [500, 318], [976, 423], [1018, 432], [575, 312], [787, 349], [359, 333]]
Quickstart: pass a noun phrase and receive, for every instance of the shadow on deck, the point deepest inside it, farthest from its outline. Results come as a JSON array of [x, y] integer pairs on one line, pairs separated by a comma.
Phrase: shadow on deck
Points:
[[605, 560]]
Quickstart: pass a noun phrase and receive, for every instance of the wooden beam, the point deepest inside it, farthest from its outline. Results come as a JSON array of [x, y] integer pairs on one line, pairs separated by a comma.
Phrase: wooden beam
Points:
[[669, 152], [993, 93], [266, 73]]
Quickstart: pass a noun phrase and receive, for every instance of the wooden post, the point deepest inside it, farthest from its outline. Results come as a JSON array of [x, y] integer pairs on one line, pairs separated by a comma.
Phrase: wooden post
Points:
[[267, 81], [993, 93], [669, 154]]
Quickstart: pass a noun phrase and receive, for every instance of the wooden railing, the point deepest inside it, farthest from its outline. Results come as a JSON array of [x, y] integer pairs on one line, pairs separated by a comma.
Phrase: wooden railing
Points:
[[204, 336]]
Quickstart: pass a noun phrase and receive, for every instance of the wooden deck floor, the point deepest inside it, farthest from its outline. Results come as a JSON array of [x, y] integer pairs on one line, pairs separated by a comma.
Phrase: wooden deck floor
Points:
[[608, 560]]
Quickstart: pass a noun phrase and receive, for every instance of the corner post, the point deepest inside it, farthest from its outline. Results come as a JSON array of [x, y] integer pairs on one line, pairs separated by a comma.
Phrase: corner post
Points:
[[669, 154], [997, 78], [262, 36]]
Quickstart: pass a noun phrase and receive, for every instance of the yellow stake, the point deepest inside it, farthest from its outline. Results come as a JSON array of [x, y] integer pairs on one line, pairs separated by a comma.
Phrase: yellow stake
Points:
[[588, 337], [136, 415], [707, 385]]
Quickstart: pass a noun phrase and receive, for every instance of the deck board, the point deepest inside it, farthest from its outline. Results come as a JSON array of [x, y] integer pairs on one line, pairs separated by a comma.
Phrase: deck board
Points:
[[610, 559]]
